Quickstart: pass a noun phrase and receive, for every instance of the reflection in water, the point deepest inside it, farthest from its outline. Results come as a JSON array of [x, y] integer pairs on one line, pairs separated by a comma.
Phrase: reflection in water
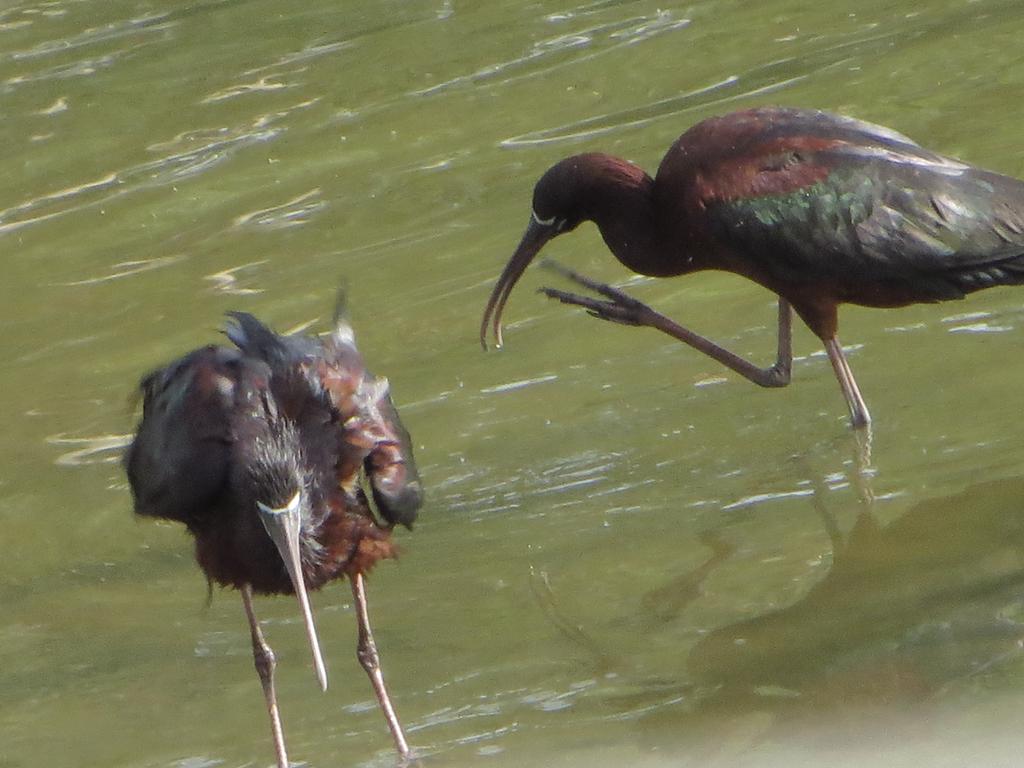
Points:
[[909, 613], [668, 602], [906, 610], [540, 584]]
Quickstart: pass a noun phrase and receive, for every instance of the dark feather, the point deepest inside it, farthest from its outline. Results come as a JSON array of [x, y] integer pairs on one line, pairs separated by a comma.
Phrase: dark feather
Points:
[[858, 204], [223, 429], [177, 464]]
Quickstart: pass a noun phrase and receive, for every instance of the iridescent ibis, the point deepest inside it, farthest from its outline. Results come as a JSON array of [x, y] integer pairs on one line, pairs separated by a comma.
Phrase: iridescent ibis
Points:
[[258, 450], [820, 209]]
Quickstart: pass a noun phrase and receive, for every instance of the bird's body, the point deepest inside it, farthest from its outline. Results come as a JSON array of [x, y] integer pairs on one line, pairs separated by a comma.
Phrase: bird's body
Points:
[[826, 210], [259, 451], [820, 209]]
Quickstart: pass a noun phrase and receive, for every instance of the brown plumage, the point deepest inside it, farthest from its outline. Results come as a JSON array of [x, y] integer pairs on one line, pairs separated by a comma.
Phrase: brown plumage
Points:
[[259, 450], [818, 208]]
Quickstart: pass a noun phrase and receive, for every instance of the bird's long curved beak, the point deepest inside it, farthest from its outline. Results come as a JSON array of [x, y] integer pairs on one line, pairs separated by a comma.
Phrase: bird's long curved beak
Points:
[[536, 235], [283, 527]]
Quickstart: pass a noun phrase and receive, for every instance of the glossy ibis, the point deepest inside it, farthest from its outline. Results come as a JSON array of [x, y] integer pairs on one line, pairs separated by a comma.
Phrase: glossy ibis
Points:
[[818, 208], [258, 450]]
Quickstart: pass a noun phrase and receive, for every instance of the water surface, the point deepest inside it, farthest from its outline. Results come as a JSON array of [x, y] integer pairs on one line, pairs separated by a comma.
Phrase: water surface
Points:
[[629, 556]]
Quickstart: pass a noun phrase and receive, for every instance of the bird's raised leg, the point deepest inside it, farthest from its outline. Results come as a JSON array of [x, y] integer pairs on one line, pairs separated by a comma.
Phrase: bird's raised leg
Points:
[[624, 309], [265, 663], [366, 650], [859, 416]]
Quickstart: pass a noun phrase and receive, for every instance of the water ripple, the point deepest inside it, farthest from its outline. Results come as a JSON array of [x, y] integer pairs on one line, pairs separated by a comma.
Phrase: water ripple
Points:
[[226, 281], [126, 269], [264, 84], [60, 105], [569, 485], [102, 449], [760, 80], [189, 154], [580, 476], [306, 54], [82, 68], [476, 738], [448, 715], [291, 213], [520, 384], [147, 29], [198, 762], [760, 498], [622, 32], [980, 328], [113, 31], [617, 121]]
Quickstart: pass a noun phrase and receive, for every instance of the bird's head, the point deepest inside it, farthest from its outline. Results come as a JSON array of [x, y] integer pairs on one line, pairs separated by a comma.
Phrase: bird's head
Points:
[[560, 204], [560, 194], [276, 471], [281, 492]]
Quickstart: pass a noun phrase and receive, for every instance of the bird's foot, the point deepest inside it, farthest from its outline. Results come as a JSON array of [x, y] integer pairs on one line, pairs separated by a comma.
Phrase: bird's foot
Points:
[[612, 311], [617, 307]]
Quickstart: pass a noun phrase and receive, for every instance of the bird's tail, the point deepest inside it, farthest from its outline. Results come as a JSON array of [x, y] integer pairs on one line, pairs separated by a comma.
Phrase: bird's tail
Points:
[[253, 337]]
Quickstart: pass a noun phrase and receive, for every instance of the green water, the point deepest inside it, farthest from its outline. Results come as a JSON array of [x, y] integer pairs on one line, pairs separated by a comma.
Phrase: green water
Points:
[[629, 556]]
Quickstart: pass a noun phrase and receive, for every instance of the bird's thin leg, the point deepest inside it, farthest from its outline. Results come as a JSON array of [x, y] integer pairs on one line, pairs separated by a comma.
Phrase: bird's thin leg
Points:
[[265, 663], [367, 653], [624, 309], [784, 356], [859, 416]]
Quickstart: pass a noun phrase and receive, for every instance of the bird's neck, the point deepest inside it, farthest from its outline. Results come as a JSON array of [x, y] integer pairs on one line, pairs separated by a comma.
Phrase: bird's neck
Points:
[[620, 200]]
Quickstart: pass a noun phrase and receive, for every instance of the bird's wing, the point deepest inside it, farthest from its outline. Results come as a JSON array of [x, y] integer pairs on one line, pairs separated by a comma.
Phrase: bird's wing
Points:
[[178, 462], [372, 432], [823, 197], [390, 467]]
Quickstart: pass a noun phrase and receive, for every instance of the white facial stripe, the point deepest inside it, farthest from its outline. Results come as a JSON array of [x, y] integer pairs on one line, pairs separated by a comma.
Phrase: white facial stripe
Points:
[[290, 507], [543, 222]]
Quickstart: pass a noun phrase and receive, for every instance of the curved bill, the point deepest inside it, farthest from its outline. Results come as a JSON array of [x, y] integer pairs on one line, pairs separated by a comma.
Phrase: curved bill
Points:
[[536, 235], [283, 527]]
